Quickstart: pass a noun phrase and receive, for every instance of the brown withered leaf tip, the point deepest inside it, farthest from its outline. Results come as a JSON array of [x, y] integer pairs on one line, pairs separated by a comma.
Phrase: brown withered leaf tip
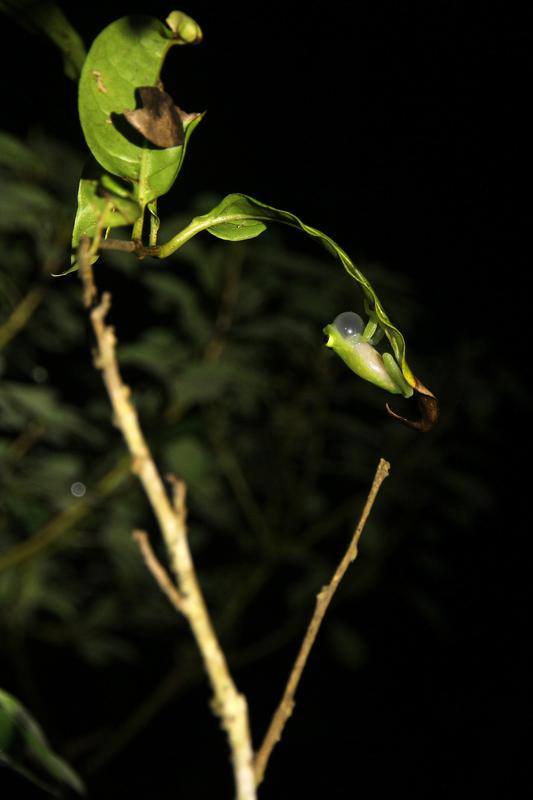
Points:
[[158, 120], [428, 406]]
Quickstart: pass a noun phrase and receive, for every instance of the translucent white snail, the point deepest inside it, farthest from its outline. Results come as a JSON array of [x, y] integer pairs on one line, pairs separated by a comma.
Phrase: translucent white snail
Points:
[[354, 343]]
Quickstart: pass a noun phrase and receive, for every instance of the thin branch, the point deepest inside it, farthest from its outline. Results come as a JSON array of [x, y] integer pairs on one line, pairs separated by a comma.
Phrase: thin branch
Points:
[[286, 706], [229, 704], [20, 315], [158, 571], [129, 246], [126, 245]]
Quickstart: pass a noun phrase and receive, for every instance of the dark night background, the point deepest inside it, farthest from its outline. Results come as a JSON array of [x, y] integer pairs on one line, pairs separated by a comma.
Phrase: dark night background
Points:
[[397, 128]]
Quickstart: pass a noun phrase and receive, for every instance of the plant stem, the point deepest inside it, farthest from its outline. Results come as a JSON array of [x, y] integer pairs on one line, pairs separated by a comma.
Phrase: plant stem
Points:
[[195, 226], [137, 232], [286, 705], [229, 704]]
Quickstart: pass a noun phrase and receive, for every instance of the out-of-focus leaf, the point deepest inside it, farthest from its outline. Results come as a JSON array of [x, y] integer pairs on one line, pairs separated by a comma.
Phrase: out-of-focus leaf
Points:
[[190, 314], [47, 18], [24, 207], [158, 352], [204, 382], [18, 158], [24, 748], [190, 459], [22, 403]]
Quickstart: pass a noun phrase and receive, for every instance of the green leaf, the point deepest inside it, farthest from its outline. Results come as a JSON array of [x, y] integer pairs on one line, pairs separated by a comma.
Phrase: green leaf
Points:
[[48, 19], [99, 205], [24, 748], [239, 217], [126, 56], [231, 232], [203, 383]]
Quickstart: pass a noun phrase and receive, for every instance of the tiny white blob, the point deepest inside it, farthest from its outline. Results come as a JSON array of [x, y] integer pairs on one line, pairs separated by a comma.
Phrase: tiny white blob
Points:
[[78, 489]]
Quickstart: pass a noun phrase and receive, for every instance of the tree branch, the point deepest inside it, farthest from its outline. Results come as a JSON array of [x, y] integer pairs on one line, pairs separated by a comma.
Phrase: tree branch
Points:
[[286, 706], [229, 704], [158, 571]]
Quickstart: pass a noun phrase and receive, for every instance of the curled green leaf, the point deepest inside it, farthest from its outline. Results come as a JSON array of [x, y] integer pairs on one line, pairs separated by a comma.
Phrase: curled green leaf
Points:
[[103, 203], [239, 217], [184, 28]]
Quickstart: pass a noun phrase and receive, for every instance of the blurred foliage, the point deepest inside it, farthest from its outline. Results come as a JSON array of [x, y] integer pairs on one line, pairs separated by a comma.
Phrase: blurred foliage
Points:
[[47, 19], [24, 748], [277, 441]]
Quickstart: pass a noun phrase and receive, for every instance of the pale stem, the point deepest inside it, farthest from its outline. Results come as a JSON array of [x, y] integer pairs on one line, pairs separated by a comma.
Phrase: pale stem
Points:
[[286, 705], [229, 704]]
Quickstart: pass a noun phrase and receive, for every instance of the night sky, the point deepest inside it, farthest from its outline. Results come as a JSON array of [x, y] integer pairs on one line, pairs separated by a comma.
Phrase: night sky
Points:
[[398, 129]]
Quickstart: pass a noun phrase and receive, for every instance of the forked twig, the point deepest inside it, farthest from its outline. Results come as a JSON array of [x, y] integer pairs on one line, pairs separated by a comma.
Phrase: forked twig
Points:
[[160, 574], [286, 705], [228, 704]]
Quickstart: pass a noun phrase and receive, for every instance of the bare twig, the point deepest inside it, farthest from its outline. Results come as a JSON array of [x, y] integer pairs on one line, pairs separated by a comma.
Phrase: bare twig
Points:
[[158, 571], [229, 704], [285, 708]]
